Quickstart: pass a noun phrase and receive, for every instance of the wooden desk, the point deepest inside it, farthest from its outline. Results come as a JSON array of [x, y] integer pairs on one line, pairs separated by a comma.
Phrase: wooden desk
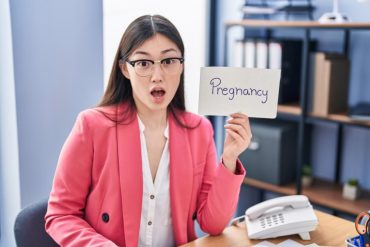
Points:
[[331, 231]]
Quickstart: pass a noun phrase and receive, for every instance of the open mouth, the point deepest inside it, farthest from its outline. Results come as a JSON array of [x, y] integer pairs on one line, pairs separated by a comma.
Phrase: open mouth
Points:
[[158, 95], [157, 92]]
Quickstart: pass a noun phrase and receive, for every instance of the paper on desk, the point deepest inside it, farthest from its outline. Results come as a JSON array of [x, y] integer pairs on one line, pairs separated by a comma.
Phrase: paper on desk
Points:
[[264, 244], [290, 243], [226, 90], [286, 243]]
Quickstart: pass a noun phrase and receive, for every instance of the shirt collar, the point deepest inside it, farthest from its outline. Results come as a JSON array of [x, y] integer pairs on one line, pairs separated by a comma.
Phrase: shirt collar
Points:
[[142, 127]]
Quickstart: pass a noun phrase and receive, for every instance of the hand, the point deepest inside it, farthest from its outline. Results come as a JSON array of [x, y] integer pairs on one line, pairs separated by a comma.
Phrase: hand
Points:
[[238, 138]]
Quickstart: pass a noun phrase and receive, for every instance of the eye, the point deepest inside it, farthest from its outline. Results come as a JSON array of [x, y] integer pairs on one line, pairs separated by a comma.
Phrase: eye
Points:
[[143, 63], [168, 61]]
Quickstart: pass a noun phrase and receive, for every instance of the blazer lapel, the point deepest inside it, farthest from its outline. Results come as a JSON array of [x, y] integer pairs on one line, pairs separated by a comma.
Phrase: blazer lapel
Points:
[[181, 178], [131, 178]]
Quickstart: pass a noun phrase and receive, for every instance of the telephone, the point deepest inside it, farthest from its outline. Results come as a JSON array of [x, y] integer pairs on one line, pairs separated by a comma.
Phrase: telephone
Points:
[[281, 216]]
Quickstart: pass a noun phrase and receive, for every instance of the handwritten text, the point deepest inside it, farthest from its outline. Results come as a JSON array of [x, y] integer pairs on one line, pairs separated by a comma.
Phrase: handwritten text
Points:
[[235, 91]]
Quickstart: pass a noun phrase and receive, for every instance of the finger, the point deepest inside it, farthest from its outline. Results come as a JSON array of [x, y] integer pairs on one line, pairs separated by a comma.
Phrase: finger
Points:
[[234, 135], [237, 128], [243, 122], [238, 115]]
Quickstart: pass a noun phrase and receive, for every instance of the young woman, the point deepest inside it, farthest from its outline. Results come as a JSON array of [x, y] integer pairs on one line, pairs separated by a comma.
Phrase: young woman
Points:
[[138, 169]]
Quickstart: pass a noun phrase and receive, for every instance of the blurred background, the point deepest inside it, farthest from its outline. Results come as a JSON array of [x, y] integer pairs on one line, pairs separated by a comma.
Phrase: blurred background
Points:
[[55, 58]]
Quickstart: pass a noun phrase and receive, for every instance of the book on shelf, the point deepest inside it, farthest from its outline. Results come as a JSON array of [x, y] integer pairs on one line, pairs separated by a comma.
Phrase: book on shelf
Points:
[[261, 54], [250, 53], [258, 9], [286, 54], [236, 56], [276, 7], [360, 111], [330, 83]]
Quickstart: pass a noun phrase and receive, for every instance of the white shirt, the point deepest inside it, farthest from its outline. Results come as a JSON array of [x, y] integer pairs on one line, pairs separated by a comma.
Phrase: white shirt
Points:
[[156, 221]]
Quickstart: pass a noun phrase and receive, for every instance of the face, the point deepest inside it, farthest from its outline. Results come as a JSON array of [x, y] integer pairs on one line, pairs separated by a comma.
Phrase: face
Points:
[[154, 90]]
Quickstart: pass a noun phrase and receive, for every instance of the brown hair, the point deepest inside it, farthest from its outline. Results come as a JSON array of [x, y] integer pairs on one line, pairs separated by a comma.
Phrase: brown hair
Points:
[[119, 88]]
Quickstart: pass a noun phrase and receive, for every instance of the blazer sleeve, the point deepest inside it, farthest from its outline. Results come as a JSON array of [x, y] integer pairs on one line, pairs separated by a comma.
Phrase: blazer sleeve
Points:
[[219, 192], [65, 214]]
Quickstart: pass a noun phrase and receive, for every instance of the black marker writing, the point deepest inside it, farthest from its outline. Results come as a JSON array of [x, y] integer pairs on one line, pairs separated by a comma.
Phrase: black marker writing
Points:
[[234, 91]]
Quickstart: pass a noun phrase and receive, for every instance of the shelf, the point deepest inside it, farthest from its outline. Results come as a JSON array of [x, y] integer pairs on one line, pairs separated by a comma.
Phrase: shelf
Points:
[[342, 118], [322, 193], [284, 189], [295, 110], [330, 195], [298, 24], [292, 109]]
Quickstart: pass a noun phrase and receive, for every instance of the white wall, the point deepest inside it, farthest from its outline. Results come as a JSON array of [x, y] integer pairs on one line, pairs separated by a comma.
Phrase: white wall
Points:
[[58, 71], [190, 18], [9, 172]]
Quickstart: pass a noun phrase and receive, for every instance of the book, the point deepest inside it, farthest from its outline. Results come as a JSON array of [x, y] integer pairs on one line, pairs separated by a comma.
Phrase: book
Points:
[[261, 54], [236, 58], [360, 111], [250, 53], [331, 75], [286, 54]]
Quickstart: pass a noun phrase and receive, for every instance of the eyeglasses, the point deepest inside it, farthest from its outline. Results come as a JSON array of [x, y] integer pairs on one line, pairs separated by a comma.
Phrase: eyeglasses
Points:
[[362, 223], [145, 67]]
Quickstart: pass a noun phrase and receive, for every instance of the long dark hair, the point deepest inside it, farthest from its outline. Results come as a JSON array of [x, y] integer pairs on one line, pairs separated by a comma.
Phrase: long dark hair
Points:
[[119, 88]]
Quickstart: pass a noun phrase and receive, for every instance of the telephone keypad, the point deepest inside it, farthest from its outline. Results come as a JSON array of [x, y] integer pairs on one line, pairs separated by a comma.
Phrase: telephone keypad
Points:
[[275, 219]]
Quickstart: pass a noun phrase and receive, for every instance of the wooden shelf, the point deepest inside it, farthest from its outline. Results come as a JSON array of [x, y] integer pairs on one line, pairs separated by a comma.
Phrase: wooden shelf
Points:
[[298, 24], [324, 193], [340, 117], [285, 189], [330, 195], [292, 109]]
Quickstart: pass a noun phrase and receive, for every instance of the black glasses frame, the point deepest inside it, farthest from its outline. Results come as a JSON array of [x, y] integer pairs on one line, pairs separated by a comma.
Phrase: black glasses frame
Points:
[[133, 62]]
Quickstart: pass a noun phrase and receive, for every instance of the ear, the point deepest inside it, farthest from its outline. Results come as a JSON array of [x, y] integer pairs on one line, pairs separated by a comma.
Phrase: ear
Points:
[[123, 68]]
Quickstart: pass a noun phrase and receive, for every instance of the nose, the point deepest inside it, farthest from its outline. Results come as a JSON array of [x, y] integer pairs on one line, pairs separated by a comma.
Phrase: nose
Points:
[[157, 75]]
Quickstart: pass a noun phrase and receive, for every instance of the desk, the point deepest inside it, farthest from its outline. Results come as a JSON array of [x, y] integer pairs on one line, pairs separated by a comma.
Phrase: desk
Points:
[[331, 231]]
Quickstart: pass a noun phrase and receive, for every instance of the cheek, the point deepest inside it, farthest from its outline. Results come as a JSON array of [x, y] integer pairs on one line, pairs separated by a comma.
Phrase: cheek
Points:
[[175, 83], [138, 85]]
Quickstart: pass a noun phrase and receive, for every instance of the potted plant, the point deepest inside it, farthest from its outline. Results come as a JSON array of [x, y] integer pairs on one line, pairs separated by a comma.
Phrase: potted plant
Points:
[[306, 176], [351, 189]]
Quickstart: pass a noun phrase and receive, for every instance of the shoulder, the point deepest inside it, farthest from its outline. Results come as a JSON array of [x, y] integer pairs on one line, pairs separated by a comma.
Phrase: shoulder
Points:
[[97, 116]]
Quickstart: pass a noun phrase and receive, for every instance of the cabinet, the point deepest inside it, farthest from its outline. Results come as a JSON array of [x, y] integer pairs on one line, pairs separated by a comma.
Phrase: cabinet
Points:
[[324, 193]]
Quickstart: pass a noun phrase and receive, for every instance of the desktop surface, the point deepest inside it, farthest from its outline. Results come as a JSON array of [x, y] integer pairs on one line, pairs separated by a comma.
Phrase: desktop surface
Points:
[[331, 231]]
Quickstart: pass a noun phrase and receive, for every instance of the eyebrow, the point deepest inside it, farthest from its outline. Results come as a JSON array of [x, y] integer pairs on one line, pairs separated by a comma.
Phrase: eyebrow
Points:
[[162, 52]]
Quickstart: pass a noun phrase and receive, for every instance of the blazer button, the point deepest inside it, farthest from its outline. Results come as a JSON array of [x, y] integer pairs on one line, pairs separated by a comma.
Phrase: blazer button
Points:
[[105, 217]]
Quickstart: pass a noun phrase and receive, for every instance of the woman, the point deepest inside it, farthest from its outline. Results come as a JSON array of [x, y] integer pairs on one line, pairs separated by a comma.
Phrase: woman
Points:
[[138, 169]]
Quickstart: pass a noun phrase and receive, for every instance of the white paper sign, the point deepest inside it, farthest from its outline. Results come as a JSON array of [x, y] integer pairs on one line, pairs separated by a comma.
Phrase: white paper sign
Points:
[[226, 90]]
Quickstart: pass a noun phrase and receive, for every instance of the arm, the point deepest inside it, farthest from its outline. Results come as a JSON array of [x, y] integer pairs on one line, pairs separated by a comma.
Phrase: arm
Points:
[[64, 217], [219, 191]]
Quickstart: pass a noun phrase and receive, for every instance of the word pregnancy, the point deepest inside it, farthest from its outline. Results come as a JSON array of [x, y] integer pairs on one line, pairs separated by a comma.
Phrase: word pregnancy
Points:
[[231, 92]]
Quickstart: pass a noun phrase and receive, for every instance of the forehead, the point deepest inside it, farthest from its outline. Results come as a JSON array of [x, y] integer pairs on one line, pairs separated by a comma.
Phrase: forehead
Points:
[[156, 46]]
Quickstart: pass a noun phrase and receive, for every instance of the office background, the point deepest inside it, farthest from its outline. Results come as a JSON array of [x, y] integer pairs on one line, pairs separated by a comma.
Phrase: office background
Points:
[[51, 67]]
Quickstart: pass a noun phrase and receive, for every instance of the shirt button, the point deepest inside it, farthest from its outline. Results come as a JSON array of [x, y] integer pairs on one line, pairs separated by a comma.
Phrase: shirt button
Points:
[[105, 217], [149, 223], [152, 197]]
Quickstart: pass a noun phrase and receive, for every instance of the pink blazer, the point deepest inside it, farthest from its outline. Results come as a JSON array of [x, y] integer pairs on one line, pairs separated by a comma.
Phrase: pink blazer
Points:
[[97, 190]]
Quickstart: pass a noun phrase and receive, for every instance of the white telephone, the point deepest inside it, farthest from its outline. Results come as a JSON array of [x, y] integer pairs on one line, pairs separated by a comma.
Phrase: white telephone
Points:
[[281, 216]]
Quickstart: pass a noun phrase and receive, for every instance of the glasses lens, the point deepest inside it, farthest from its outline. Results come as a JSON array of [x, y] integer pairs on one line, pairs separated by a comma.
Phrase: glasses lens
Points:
[[171, 65], [143, 68]]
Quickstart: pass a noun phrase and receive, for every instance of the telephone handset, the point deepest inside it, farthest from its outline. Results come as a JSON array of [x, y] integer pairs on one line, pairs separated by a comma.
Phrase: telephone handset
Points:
[[281, 216]]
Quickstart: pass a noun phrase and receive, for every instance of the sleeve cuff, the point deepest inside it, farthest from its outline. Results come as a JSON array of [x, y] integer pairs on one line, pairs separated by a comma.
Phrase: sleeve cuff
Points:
[[239, 169]]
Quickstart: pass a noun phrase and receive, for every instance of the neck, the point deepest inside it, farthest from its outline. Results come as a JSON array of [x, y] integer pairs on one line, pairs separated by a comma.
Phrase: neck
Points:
[[153, 120]]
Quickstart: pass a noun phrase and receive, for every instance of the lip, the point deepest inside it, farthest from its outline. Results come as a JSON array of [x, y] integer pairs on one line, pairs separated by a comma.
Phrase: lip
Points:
[[157, 99], [157, 88]]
